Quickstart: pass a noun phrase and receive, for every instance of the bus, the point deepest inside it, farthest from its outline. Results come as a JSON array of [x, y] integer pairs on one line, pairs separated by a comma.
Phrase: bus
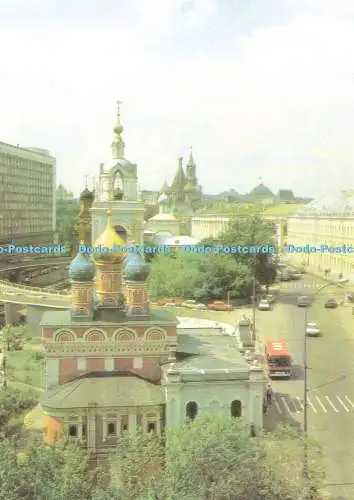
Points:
[[277, 359]]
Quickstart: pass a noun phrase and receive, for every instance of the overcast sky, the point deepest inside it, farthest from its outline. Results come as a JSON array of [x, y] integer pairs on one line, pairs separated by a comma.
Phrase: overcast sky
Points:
[[259, 88]]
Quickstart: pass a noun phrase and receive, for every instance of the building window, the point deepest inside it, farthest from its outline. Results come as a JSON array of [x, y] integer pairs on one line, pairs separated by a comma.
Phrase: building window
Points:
[[111, 429], [137, 363], [84, 430], [109, 364], [191, 410], [73, 431], [151, 427], [236, 409], [125, 427], [81, 364]]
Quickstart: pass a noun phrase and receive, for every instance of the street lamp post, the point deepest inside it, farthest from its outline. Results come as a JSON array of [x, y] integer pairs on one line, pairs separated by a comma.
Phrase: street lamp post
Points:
[[254, 306], [306, 390]]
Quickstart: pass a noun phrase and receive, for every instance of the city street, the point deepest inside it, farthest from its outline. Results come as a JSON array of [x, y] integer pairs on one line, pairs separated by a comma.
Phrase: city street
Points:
[[330, 375]]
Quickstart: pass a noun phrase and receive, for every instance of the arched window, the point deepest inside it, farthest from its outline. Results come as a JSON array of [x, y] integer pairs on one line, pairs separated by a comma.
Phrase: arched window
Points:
[[191, 410], [236, 409]]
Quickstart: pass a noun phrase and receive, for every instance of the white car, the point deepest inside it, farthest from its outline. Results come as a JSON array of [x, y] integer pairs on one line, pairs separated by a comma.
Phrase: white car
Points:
[[312, 330], [170, 304], [264, 305], [201, 307]]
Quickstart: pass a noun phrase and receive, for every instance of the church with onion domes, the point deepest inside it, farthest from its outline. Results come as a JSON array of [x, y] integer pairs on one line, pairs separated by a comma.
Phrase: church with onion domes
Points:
[[114, 363]]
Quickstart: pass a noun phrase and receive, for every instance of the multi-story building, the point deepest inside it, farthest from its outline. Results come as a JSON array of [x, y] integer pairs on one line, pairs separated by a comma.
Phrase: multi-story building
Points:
[[327, 226], [27, 195]]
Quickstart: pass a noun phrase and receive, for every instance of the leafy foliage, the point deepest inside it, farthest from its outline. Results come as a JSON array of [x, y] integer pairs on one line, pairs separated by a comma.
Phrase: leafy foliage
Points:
[[44, 472], [66, 216], [13, 402], [215, 458], [212, 276], [14, 337]]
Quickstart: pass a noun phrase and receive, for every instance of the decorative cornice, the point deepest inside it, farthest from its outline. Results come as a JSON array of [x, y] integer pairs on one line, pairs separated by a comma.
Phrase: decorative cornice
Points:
[[102, 349]]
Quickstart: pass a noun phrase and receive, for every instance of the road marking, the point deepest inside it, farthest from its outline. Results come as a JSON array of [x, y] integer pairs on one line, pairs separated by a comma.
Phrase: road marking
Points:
[[351, 404], [276, 404], [321, 405], [311, 405], [341, 402], [286, 405], [300, 404], [330, 402]]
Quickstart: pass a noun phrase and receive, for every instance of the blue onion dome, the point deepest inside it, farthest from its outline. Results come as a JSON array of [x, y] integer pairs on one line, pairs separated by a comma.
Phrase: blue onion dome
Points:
[[82, 268], [135, 269]]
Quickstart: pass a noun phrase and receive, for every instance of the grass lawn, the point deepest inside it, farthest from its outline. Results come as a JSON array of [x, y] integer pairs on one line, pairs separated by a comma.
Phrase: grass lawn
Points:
[[26, 366]]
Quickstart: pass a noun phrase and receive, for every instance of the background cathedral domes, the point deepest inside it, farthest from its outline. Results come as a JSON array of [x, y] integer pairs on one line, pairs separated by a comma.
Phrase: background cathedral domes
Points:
[[82, 268], [163, 199], [135, 269]]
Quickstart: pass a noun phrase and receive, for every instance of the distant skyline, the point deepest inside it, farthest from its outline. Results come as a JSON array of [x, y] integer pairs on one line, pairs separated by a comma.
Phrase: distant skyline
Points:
[[258, 88]]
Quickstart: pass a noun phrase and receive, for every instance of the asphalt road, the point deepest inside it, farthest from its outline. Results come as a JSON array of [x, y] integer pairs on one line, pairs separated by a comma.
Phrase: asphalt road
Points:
[[330, 376]]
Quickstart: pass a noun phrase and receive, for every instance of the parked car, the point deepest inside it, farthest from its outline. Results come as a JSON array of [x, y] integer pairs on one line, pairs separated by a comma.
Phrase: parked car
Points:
[[295, 275], [304, 301], [219, 306], [264, 305], [331, 304], [285, 275], [190, 304], [312, 330], [201, 307], [270, 298]]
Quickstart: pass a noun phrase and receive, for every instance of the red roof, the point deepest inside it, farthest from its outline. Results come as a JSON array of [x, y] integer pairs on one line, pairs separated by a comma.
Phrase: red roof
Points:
[[277, 348]]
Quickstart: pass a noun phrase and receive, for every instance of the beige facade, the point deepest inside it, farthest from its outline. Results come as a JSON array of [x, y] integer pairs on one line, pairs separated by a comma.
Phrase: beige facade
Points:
[[211, 226], [27, 195], [327, 225], [327, 231]]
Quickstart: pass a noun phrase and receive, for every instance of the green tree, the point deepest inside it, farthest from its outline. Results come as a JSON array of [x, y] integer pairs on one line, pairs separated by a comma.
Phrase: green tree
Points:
[[137, 466], [14, 337], [47, 472], [67, 214], [215, 458], [176, 275], [222, 275], [252, 229]]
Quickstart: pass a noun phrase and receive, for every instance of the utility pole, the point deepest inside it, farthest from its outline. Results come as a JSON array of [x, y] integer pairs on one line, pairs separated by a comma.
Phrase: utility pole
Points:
[[254, 306], [306, 390], [3, 379]]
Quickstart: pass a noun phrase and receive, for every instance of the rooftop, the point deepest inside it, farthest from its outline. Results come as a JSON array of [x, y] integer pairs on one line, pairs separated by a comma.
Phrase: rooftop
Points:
[[105, 390], [214, 356], [341, 204]]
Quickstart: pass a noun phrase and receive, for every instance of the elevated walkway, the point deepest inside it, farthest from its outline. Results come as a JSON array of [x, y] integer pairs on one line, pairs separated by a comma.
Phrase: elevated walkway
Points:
[[29, 295], [45, 262]]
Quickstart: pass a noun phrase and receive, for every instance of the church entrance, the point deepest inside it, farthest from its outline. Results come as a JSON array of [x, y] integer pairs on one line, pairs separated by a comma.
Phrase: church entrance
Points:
[[122, 232]]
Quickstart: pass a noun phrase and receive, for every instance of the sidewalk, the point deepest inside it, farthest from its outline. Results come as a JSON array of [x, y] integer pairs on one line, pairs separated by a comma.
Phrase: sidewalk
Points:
[[333, 276]]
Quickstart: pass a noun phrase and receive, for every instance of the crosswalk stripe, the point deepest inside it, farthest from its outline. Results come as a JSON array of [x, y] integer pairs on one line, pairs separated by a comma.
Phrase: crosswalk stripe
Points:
[[311, 405], [330, 402], [341, 402], [300, 403], [286, 405], [349, 401], [321, 405], [276, 404]]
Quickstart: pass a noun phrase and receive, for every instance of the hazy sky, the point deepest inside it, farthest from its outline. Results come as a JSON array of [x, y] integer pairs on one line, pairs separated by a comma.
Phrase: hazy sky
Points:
[[260, 88]]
